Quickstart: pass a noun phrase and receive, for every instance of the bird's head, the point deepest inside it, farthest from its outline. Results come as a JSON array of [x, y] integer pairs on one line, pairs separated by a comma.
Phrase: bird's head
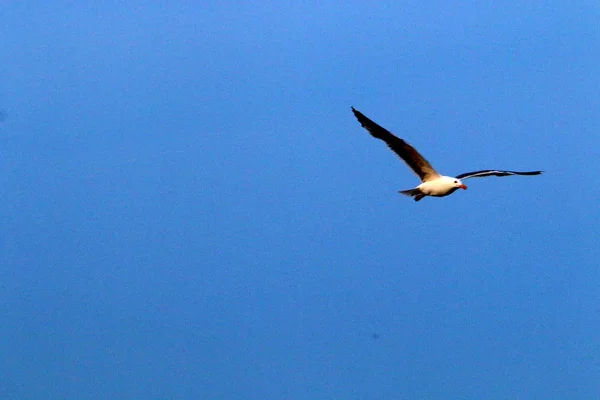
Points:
[[457, 183]]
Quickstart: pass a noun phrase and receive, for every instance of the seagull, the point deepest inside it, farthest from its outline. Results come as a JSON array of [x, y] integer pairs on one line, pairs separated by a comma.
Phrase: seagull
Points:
[[433, 184]]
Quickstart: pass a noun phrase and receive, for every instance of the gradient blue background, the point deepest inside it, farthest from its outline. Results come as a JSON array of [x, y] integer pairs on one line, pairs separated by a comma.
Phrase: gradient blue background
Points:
[[190, 210]]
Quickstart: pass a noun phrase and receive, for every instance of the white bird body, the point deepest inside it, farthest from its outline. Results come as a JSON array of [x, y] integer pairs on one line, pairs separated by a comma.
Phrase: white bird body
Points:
[[440, 187], [433, 184]]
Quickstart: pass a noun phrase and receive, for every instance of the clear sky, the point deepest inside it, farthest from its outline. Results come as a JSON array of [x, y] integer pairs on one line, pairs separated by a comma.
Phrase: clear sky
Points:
[[190, 210]]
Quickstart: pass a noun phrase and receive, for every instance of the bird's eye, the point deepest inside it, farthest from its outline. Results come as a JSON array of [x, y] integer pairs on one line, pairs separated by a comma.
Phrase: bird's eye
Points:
[[455, 181]]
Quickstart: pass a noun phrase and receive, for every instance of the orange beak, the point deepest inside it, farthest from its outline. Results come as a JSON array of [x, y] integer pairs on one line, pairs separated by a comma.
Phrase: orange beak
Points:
[[463, 186]]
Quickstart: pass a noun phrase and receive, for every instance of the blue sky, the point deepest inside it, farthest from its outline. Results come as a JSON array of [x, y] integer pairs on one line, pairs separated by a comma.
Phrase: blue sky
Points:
[[190, 210]]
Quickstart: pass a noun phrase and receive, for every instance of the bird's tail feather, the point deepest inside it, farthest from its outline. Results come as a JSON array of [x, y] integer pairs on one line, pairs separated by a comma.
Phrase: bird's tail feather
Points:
[[416, 193]]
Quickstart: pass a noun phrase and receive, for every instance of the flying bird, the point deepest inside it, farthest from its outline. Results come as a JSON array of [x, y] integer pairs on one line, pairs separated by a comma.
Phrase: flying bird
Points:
[[432, 183]]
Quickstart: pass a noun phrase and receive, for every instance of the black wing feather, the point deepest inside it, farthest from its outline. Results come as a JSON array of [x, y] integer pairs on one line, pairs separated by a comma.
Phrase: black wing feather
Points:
[[409, 154], [494, 172]]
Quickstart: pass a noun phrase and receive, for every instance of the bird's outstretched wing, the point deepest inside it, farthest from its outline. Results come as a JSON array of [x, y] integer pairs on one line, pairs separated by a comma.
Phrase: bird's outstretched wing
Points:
[[409, 154], [494, 172]]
